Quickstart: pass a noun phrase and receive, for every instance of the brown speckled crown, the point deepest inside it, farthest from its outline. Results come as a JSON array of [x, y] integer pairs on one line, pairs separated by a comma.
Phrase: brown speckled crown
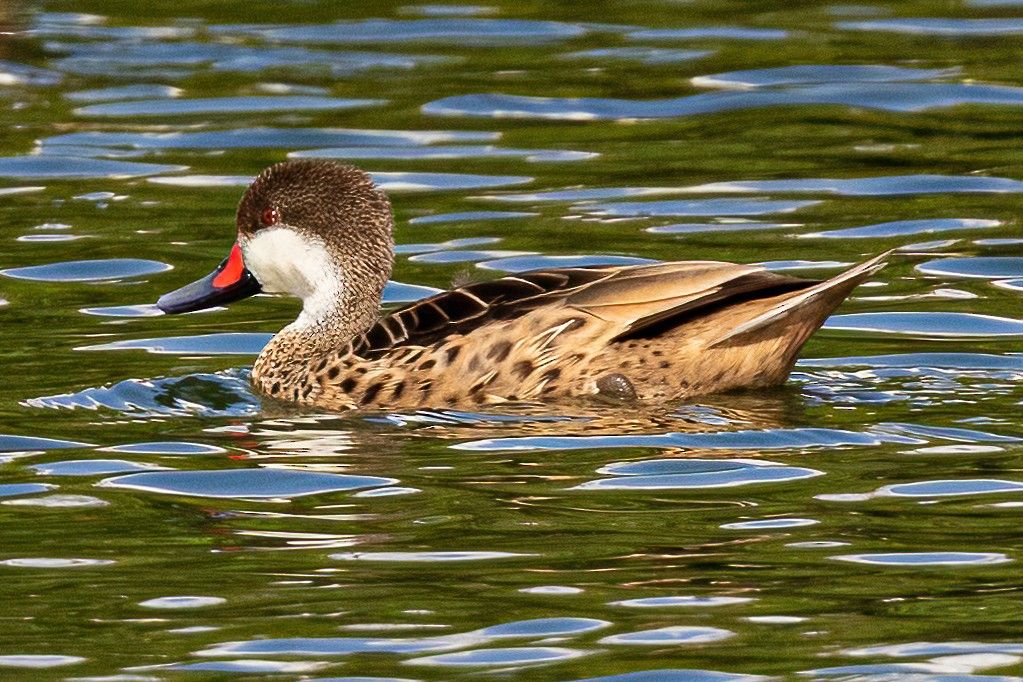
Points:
[[339, 205]]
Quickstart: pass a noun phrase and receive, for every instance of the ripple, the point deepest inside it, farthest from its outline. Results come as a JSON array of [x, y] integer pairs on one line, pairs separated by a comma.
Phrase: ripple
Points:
[[174, 60], [939, 27], [336, 646], [135, 91], [425, 557], [500, 657], [946, 433], [676, 675], [259, 483], [899, 97], [776, 620], [10, 443], [332, 646], [38, 660], [227, 394], [936, 325], [398, 292], [931, 649], [361, 678], [552, 589], [928, 489], [12, 489], [677, 634], [588, 194], [926, 558], [936, 245], [91, 26], [456, 256], [887, 671], [696, 207], [958, 450], [73, 168], [223, 105], [661, 602], [684, 474], [59, 502], [769, 524], [70, 151], [47, 562], [802, 265], [49, 238], [887, 185], [644, 55], [389, 491], [990, 267], [457, 31], [773, 439], [428, 182], [951, 487], [448, 10], [88, 270], [960, 361], [998, 241], [225, 343], [166, 448], [13, 73], [443, 152], [702, 228], [265, 138], [90, 467], [543, 627], [10, 191], [819, 73], [389, 182], [526, 263], [901, 228], [182, 602], [1010, 284], [470, 216], [731, 32], [252, 667]]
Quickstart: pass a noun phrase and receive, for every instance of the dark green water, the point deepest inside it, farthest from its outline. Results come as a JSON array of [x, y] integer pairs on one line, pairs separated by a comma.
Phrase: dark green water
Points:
[[828, 529]]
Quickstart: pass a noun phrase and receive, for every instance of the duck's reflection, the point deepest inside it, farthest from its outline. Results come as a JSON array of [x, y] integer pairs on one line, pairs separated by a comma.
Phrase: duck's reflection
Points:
[[12, 23], [288, 427]]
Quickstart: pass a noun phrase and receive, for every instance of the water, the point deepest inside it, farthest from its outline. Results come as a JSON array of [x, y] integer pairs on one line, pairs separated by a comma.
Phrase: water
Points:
[[859, 523]]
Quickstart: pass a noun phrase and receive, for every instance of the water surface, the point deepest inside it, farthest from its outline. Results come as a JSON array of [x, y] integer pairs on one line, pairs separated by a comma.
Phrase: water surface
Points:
[[160, 521]]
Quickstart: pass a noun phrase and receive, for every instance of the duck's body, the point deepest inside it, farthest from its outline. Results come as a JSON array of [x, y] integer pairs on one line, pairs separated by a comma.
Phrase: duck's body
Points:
[[652, 332], [660, 332]]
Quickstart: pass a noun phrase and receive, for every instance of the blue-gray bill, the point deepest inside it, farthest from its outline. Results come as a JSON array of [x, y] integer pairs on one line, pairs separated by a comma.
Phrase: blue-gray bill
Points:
[[230, 281]]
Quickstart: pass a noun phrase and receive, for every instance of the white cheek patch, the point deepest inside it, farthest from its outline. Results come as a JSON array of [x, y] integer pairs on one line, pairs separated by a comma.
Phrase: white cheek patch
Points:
[[287, 262]]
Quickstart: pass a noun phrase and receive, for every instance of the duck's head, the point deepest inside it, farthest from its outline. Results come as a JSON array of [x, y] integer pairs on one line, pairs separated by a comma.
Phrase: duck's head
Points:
[[318, 230]]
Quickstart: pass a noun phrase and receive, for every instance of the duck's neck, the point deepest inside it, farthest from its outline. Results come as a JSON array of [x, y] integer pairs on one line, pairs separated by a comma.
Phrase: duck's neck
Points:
[[299, 353]]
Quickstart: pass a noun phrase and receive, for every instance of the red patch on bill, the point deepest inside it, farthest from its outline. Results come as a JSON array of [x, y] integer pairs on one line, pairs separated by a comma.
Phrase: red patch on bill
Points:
[[232, 271]]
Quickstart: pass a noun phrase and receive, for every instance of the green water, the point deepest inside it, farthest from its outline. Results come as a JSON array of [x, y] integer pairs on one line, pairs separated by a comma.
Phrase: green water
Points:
[[927, 397]]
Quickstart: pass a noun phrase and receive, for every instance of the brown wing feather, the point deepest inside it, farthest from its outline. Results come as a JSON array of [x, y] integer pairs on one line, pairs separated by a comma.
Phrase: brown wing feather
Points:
[[636, 299], [825, 296], [452, 311]]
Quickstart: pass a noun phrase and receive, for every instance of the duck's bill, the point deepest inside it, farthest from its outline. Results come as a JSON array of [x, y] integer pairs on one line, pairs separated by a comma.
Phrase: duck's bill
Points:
[[230, 282]]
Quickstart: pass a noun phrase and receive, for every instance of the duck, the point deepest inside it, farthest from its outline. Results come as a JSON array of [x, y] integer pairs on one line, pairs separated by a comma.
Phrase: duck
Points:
[[322, 231]]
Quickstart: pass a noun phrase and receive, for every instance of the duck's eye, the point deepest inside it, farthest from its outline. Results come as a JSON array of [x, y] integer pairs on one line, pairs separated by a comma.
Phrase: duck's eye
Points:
[[271, 216]]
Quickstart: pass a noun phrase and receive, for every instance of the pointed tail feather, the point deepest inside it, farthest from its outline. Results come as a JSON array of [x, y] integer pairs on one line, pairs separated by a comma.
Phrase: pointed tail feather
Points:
[[837, 288]]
